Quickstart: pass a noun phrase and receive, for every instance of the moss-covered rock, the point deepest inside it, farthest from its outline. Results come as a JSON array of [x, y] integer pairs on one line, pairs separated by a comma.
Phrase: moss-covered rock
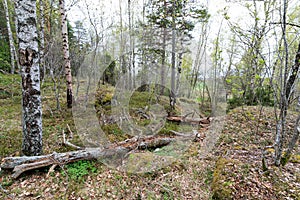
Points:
[[104, 95]]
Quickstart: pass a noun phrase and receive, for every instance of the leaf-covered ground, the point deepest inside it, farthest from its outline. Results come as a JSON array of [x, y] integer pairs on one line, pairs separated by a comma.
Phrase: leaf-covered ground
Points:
[[232, 170]]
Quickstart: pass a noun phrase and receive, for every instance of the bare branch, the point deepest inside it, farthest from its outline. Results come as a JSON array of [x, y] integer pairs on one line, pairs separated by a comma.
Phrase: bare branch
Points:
[[290, 24]]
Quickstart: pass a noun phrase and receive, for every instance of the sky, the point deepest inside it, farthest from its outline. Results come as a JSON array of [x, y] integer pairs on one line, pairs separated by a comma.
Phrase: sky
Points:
[[109, 9]]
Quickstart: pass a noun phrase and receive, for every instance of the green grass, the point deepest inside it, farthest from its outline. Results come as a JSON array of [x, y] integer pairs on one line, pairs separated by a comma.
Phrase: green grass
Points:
[[10, 112]]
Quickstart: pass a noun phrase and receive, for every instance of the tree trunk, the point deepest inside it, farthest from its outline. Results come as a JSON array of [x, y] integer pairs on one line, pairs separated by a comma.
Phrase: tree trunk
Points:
[[10, 38], [122, 44], [293, 141], [120, 150], [131, 53], [173, 61], [292, 78], [64, 31], [29, 62], [280, 126], [163, 61], [178, 73], [290, 84], [42, 41]]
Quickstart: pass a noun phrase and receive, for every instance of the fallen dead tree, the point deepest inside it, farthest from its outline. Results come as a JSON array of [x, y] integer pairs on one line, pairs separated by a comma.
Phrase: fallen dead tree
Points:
[[121, 149], [203, 122]]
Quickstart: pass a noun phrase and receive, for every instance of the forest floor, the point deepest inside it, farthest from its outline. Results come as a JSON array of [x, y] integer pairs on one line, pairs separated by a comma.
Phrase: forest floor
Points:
[[231, 170]]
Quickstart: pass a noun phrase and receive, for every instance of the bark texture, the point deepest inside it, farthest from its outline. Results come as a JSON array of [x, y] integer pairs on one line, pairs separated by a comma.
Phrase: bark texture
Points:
[[29, 62], [10, 37], [64, 31], [42, 41]]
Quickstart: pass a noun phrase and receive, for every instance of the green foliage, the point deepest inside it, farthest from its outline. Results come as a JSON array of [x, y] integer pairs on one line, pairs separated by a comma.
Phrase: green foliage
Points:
[[4, 54], [77, 170], [78, 45], [4, 43], [176, 13], [260, 96], [109, 75], [10, 85], [104, 95]]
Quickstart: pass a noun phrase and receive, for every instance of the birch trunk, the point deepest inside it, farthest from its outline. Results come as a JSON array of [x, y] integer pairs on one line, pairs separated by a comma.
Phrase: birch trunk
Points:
[[42, 41], [64, 31], [178, 73], [15, 18], [10, 38], [29, 62]]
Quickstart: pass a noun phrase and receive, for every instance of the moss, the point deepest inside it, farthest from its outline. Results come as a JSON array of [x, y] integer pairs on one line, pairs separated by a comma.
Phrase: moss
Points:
[[220, 185], [295, 158], [270, 150], [104, 95], [284, 159], [114, 133]]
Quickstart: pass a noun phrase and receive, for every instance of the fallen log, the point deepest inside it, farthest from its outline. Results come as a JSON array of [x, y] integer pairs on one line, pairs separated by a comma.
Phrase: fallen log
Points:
[[25, 163], [193, 121]]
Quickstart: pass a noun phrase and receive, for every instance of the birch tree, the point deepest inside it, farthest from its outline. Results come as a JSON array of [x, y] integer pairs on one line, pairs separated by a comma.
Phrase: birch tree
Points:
[[42, 40], [64, 31], [10, 37], [30, 72]]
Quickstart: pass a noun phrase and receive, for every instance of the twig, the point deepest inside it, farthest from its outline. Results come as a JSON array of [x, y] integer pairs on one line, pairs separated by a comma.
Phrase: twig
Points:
[[290, 24], [71, 133], [67, 143]]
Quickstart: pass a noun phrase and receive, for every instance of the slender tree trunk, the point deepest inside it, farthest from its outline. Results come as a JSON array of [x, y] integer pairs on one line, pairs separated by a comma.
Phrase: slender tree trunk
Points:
[[132, 34], [91, 72], [293, 76], [163, 61], [280, 126], [29, 62], [64, 31], [290, 84], [130, 48], [17, 40], [10, 38], [178, 73], [122, 56], [42, 40], [163, 56], [173, 61], [294, 139]]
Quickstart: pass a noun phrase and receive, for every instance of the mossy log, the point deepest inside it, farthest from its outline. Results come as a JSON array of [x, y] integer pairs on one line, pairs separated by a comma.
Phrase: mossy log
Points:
[[25, 163]]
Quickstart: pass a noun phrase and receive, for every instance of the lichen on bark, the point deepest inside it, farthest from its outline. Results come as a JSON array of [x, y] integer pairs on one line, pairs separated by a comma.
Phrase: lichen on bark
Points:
[[29, 62]]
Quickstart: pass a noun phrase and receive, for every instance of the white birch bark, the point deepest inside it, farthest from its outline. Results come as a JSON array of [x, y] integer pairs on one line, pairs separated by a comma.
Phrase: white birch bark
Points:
[[16, 28], [64, 30], [29, 62], [10, 38], [42, 40]]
